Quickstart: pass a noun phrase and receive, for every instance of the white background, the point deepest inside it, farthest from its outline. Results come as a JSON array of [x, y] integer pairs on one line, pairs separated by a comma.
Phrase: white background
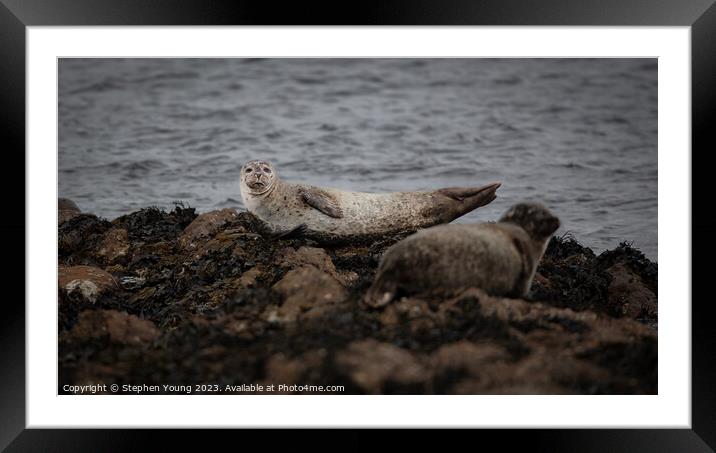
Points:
[[670, 408]]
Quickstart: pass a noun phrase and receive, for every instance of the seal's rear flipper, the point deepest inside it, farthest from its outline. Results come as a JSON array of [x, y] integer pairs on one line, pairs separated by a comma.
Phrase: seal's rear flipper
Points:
[[462, 200], [293, 233], [461, 193]]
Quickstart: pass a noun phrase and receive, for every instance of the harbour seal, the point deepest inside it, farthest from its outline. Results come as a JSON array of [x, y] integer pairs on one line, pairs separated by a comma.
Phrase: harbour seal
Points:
[[331, 215], [501, 258]]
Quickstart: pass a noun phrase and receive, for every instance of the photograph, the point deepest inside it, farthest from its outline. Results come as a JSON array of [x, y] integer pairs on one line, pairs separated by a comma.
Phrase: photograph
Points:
[[421, 216], [345, 226]]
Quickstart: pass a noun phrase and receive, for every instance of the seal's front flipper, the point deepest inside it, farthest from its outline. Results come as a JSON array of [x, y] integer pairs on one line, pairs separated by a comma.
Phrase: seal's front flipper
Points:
[[322, 201], [461, 193], [294, 232], [378, 299], [380, 293]]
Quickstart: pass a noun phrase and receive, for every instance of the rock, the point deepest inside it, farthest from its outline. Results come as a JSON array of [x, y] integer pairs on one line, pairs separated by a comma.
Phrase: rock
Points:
[[373, 365], [235, 327], [205, 225], [252, 310], [543, 372], [64, 216], [85, 282], [115, 245], [629, 292], [312, 256], [65, 204], [117, 327], [413, 312], [248, 279], [348, 278], [280, 369], [291, 258], [522, 314], [467, 356], [66, 210], [306, 292]]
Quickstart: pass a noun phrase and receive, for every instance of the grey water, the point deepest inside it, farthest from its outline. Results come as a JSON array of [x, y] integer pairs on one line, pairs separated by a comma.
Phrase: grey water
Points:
[[579, 135]]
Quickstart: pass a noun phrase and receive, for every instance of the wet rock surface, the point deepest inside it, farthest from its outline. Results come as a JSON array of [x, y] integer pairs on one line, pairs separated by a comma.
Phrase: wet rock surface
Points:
[[85, 283], [185, 299]]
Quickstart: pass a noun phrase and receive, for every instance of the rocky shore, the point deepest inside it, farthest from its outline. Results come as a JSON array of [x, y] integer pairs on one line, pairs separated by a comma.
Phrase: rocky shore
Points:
[[159, 298]]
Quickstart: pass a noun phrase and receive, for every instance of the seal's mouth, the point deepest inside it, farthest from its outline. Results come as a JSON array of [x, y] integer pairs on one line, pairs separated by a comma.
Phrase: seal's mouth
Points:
[[256, 185]]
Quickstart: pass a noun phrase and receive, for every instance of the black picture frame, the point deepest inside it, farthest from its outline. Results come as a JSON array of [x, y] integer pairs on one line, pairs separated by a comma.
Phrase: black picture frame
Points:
[[16, 15]]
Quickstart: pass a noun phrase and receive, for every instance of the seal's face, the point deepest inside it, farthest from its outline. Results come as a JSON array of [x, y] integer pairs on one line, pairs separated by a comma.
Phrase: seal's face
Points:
[[257, 177], [536, 219]]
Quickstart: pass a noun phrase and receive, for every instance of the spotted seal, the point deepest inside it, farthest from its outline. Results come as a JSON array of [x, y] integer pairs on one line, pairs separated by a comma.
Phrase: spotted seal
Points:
[[330, 215], [501, 258]]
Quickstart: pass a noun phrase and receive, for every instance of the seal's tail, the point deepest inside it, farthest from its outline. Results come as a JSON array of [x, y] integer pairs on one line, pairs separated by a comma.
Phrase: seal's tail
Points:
[[470, 198]]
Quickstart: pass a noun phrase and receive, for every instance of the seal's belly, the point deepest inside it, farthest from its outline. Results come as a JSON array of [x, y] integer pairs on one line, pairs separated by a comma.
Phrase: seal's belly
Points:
[[363, 213]]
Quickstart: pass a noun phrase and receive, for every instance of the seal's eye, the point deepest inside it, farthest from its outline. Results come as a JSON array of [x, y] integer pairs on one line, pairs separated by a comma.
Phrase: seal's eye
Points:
[[267, 170], [249, 170]]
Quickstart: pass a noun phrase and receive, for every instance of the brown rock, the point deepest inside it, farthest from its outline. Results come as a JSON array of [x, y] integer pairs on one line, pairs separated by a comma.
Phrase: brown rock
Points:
[[291, 258], [87, 282], [64, 216], [281, 369], [307, 292], [547, 372], [629, 292], [205, 225], [118, 327], [517, 312], [316, 257], [65, 204], [248, 278], [66, 209], [414, 312], [371, 364], [115, 245], [468, 356], [236, 326], [347, 278]]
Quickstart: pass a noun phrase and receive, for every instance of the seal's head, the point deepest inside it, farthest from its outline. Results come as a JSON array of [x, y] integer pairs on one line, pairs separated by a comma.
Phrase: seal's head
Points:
[[257, 177], [534, 218]]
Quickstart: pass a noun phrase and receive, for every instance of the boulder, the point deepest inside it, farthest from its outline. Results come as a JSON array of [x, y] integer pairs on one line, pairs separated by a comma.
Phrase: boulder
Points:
[[306, 292], [291, 258], [627, 291], [66, 209], [306, 256], [117, 327], [467, 356], [204, 226], [248, 279], [372, 365], [85, 282]]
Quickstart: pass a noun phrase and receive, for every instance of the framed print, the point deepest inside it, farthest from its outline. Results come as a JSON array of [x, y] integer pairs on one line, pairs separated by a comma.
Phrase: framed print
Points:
[[455, 224]]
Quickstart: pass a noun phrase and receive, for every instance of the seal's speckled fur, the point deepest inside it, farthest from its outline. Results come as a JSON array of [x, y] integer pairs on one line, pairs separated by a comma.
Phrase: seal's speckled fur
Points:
[[501, 258], [332, 214]]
